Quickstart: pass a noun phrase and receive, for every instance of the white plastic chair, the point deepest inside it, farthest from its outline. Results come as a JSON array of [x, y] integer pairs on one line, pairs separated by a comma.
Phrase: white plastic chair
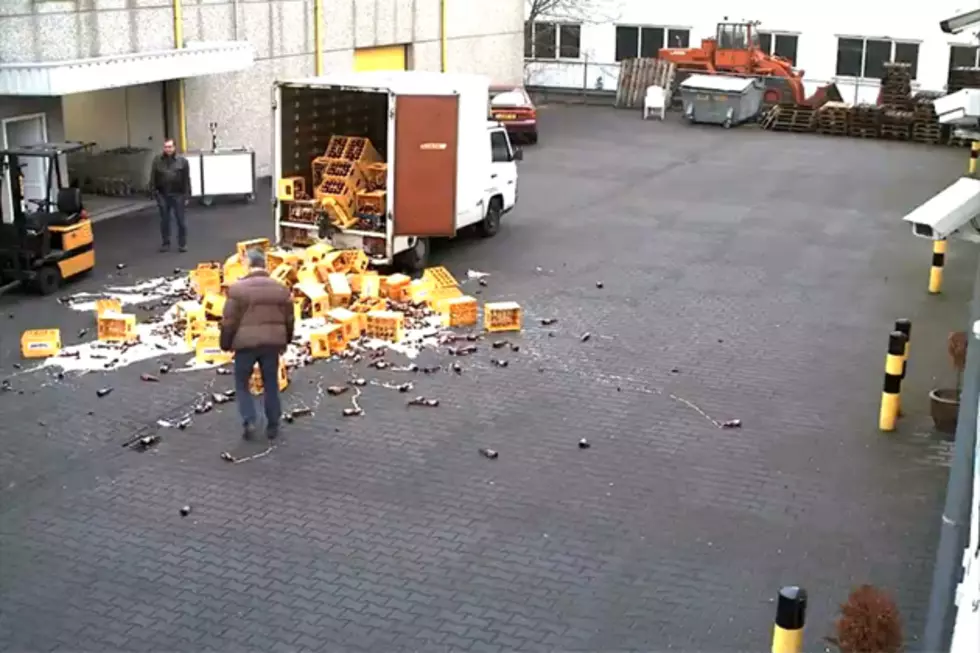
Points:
[[654, 102]]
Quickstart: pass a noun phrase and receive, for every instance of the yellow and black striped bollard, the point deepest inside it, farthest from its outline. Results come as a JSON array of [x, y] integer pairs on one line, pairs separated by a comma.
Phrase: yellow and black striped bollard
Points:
[[904, 326], [787, 633], [974, 154], [890, 394], [938, 261]]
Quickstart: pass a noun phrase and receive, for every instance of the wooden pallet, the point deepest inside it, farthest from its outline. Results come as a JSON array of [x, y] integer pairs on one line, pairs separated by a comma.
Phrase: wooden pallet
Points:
[[790, 118], [955, 141], [855, 131], [896, 131], [927, 132]]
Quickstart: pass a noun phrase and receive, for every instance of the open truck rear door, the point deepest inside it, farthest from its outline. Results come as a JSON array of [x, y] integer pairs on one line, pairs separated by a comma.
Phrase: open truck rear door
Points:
[[426, 135]]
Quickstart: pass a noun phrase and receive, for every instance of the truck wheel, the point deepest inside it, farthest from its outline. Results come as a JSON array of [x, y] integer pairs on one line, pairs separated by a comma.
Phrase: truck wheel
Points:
[[532, 138], [416, 258], [48, 279], [490, 225]]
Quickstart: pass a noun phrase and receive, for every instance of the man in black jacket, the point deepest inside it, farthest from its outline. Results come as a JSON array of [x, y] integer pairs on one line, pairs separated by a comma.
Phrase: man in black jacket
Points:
[[170, 181]]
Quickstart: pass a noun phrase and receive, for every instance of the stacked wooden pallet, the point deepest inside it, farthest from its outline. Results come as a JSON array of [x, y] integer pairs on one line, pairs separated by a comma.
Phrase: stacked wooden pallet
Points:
[[864, 121], [896, 86], [790, 118], [832, 119], [926, 127], [896, 124]]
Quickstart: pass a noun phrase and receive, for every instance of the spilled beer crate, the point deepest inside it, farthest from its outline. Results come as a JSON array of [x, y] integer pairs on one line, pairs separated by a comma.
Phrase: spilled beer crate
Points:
[[328, 341], [40, 343], [502, 316], [255, 385], [385, 325]]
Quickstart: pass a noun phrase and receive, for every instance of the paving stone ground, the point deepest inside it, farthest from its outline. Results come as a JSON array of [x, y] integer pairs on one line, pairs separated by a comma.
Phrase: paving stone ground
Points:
[[748, 275]]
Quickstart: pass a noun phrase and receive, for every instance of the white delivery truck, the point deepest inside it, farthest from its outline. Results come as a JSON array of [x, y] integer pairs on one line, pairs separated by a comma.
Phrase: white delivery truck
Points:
[[445, 165]]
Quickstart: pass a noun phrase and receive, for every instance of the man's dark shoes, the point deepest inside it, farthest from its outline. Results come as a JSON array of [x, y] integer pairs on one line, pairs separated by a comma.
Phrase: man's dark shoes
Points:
[[164, 248], [272, 431], [182, 249], [248, 433]]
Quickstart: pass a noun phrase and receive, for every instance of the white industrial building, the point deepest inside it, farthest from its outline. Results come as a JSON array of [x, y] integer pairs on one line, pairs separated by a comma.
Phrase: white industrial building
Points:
[[845, 41], [129, 73]]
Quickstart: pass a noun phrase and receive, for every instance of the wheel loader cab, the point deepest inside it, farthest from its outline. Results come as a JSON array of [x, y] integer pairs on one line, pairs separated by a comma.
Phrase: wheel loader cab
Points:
[[735, 43], [52, 241]]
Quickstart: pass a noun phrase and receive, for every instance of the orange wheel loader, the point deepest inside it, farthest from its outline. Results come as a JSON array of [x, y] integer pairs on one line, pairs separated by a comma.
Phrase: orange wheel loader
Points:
[[735, 50]]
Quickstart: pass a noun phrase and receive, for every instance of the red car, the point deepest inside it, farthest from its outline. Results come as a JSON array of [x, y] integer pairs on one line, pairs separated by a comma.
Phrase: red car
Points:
[[513, 107]]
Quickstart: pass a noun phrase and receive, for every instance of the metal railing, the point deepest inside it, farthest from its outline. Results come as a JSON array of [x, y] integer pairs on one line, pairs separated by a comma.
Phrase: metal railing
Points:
[[587, 77]]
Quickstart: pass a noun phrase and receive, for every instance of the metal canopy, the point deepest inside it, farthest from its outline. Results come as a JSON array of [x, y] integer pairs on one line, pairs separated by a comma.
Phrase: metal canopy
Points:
[[57, 78], [48, 149]]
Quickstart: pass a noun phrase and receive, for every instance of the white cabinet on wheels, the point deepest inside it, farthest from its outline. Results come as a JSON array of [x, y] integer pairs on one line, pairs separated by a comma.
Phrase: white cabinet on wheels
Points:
[[222, 173]]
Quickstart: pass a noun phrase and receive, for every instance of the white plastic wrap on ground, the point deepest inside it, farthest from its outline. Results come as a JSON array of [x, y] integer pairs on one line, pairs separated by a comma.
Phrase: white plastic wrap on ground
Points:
[[155, 339], [158, 338], [141, 293]]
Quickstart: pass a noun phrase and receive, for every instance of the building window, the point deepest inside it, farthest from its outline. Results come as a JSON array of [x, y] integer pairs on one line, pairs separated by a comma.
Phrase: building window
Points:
[[547, 40], [858, 57], [646, 41], [779, 45], [963, 56]]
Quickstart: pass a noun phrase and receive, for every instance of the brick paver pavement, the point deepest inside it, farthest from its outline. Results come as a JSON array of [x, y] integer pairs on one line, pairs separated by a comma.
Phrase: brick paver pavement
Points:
[[748, 274]]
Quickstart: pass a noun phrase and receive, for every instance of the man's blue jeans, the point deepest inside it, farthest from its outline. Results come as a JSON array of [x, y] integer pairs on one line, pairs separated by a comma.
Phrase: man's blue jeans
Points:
[[268, 360], [172, 204]]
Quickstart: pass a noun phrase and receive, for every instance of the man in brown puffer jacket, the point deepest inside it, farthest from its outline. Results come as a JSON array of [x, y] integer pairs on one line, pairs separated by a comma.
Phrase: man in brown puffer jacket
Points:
[[257, 325]]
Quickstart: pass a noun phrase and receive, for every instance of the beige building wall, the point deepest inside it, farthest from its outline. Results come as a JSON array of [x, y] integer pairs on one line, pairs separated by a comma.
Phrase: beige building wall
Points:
[[482, 37]]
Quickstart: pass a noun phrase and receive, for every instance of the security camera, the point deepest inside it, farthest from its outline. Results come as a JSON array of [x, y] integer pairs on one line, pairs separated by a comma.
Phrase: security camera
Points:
[[957, 24], [960, 109], [948, 212]]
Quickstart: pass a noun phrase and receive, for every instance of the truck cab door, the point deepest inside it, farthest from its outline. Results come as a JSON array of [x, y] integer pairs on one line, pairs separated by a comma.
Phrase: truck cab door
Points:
[[503, 169]]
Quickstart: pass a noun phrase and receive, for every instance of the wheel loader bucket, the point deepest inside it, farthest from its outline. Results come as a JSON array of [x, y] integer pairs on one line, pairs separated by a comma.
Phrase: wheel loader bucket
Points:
[[825, 94]]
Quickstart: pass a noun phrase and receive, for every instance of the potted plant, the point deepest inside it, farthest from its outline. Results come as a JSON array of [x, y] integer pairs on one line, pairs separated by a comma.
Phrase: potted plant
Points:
[[944, 403], [868, 623]]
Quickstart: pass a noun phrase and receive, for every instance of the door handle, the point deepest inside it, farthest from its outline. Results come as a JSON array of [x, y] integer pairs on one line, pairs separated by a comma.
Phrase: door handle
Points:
[[493, 176], [510, 183]]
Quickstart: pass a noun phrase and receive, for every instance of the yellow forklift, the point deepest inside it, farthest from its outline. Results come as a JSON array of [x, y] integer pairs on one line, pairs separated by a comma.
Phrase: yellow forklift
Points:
[[46, 241]]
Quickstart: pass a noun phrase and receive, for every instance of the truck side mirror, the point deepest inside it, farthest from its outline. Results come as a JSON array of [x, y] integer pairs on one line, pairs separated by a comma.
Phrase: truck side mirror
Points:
[[518, 154]]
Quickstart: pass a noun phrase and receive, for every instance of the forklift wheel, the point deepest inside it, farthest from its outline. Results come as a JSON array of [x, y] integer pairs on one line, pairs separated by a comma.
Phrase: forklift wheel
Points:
[[48, 279], [207, 201]]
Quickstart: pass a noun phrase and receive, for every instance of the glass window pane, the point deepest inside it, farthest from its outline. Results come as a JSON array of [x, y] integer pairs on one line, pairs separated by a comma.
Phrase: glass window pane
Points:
[[544, 40], [498, 147], [849, 53], [569, 41], [961, 56], [876, 55], [528, 41], [627, 42], [908, 53], [678, 38], [765, 42], [785, 47], [651, 40]]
